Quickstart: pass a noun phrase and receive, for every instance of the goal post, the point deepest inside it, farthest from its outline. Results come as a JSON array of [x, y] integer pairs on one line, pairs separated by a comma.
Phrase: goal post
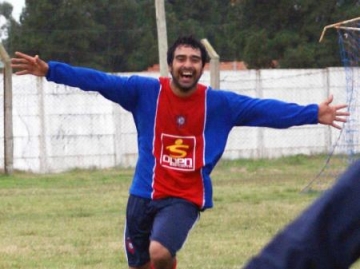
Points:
[[8, 124], [214, 64], [346, 149], [340, 25]]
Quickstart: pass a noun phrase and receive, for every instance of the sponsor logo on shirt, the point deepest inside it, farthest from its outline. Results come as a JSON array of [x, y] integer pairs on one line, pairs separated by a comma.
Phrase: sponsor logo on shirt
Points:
[[178, 152]]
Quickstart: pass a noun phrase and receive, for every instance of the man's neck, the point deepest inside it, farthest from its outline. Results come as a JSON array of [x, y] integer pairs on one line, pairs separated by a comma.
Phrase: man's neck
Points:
[[181, 93]]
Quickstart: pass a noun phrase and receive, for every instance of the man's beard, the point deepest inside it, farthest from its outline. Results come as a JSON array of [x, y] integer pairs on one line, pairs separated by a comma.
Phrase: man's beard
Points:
[[181, 87]]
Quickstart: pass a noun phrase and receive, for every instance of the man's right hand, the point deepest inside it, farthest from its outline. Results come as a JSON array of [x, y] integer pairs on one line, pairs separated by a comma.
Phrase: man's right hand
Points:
[[29, 65]]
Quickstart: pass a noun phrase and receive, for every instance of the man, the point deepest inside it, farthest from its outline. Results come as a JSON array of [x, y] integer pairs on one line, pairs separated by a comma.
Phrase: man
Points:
[[324, 236], [182, 131]]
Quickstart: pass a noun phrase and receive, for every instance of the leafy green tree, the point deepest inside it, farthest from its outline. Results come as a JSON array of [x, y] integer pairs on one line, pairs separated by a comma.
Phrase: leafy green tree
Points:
[[100, 34], [215, 20], [129, 36], [121, 35], [257, 52], [6, 10], [66, 34], [292, 30]]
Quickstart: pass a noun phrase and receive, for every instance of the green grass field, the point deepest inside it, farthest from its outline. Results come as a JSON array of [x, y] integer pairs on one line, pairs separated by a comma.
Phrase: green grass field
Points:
[[75, 219]]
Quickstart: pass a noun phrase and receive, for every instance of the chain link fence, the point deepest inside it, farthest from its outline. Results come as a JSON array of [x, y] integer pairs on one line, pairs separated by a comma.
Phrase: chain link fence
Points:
[[57, 128]]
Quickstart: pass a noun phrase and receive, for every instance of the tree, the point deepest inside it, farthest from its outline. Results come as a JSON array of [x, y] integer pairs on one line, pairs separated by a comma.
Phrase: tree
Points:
[[257, 51], [98, 34], [6, 10], [121, 35]]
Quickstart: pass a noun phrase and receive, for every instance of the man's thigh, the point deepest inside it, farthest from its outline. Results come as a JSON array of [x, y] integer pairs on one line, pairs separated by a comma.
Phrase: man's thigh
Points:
[[173, 221]]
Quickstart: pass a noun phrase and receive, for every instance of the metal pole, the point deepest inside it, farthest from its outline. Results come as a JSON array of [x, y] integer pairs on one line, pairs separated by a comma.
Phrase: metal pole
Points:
[[8, 124], [162, 36], [214, 64]]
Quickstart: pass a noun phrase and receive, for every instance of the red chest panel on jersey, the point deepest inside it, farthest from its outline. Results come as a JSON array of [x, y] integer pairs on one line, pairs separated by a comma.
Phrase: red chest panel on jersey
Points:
[[179, 144]]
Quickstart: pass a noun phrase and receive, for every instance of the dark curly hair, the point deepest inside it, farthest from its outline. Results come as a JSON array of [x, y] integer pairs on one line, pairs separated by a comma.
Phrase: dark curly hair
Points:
[[189, 41]]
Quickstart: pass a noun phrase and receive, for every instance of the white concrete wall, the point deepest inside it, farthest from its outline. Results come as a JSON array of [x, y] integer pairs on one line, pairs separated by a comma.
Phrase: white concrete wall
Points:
[[57, 128]]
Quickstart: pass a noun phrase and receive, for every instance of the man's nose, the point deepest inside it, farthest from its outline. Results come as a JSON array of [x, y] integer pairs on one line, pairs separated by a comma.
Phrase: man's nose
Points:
[[188, 62]]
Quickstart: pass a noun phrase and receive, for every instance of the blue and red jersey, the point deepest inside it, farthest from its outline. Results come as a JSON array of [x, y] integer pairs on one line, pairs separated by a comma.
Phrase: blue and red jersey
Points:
[[180, 140]]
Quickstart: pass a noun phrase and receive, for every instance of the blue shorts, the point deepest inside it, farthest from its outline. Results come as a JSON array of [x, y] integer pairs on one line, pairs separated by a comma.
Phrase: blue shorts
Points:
[[167, 221]]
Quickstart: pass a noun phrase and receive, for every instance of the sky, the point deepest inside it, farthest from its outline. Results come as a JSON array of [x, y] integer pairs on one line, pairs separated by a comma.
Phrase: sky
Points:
[[18, 6]]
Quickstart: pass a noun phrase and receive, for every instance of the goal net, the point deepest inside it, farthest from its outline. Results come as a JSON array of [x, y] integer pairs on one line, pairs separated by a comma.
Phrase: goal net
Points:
[[346, 147]]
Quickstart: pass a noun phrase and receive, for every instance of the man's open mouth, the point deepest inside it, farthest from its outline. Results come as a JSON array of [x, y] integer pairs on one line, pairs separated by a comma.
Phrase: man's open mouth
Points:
[[186, 74]]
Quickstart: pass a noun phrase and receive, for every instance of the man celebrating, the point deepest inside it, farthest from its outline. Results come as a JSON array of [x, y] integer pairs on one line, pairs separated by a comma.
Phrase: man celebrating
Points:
[[182, 132]]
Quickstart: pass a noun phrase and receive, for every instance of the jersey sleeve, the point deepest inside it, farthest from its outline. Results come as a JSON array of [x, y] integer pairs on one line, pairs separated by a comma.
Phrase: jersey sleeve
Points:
[[248, 111], [119, 89]]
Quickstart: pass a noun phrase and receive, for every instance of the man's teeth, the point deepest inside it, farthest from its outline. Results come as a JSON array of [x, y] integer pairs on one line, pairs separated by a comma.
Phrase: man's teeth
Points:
[[187, 73]]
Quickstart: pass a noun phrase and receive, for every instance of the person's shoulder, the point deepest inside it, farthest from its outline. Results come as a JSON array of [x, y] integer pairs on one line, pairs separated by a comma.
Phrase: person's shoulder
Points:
[[142, 83], [221, 92], [218, 97], [143, 79]]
